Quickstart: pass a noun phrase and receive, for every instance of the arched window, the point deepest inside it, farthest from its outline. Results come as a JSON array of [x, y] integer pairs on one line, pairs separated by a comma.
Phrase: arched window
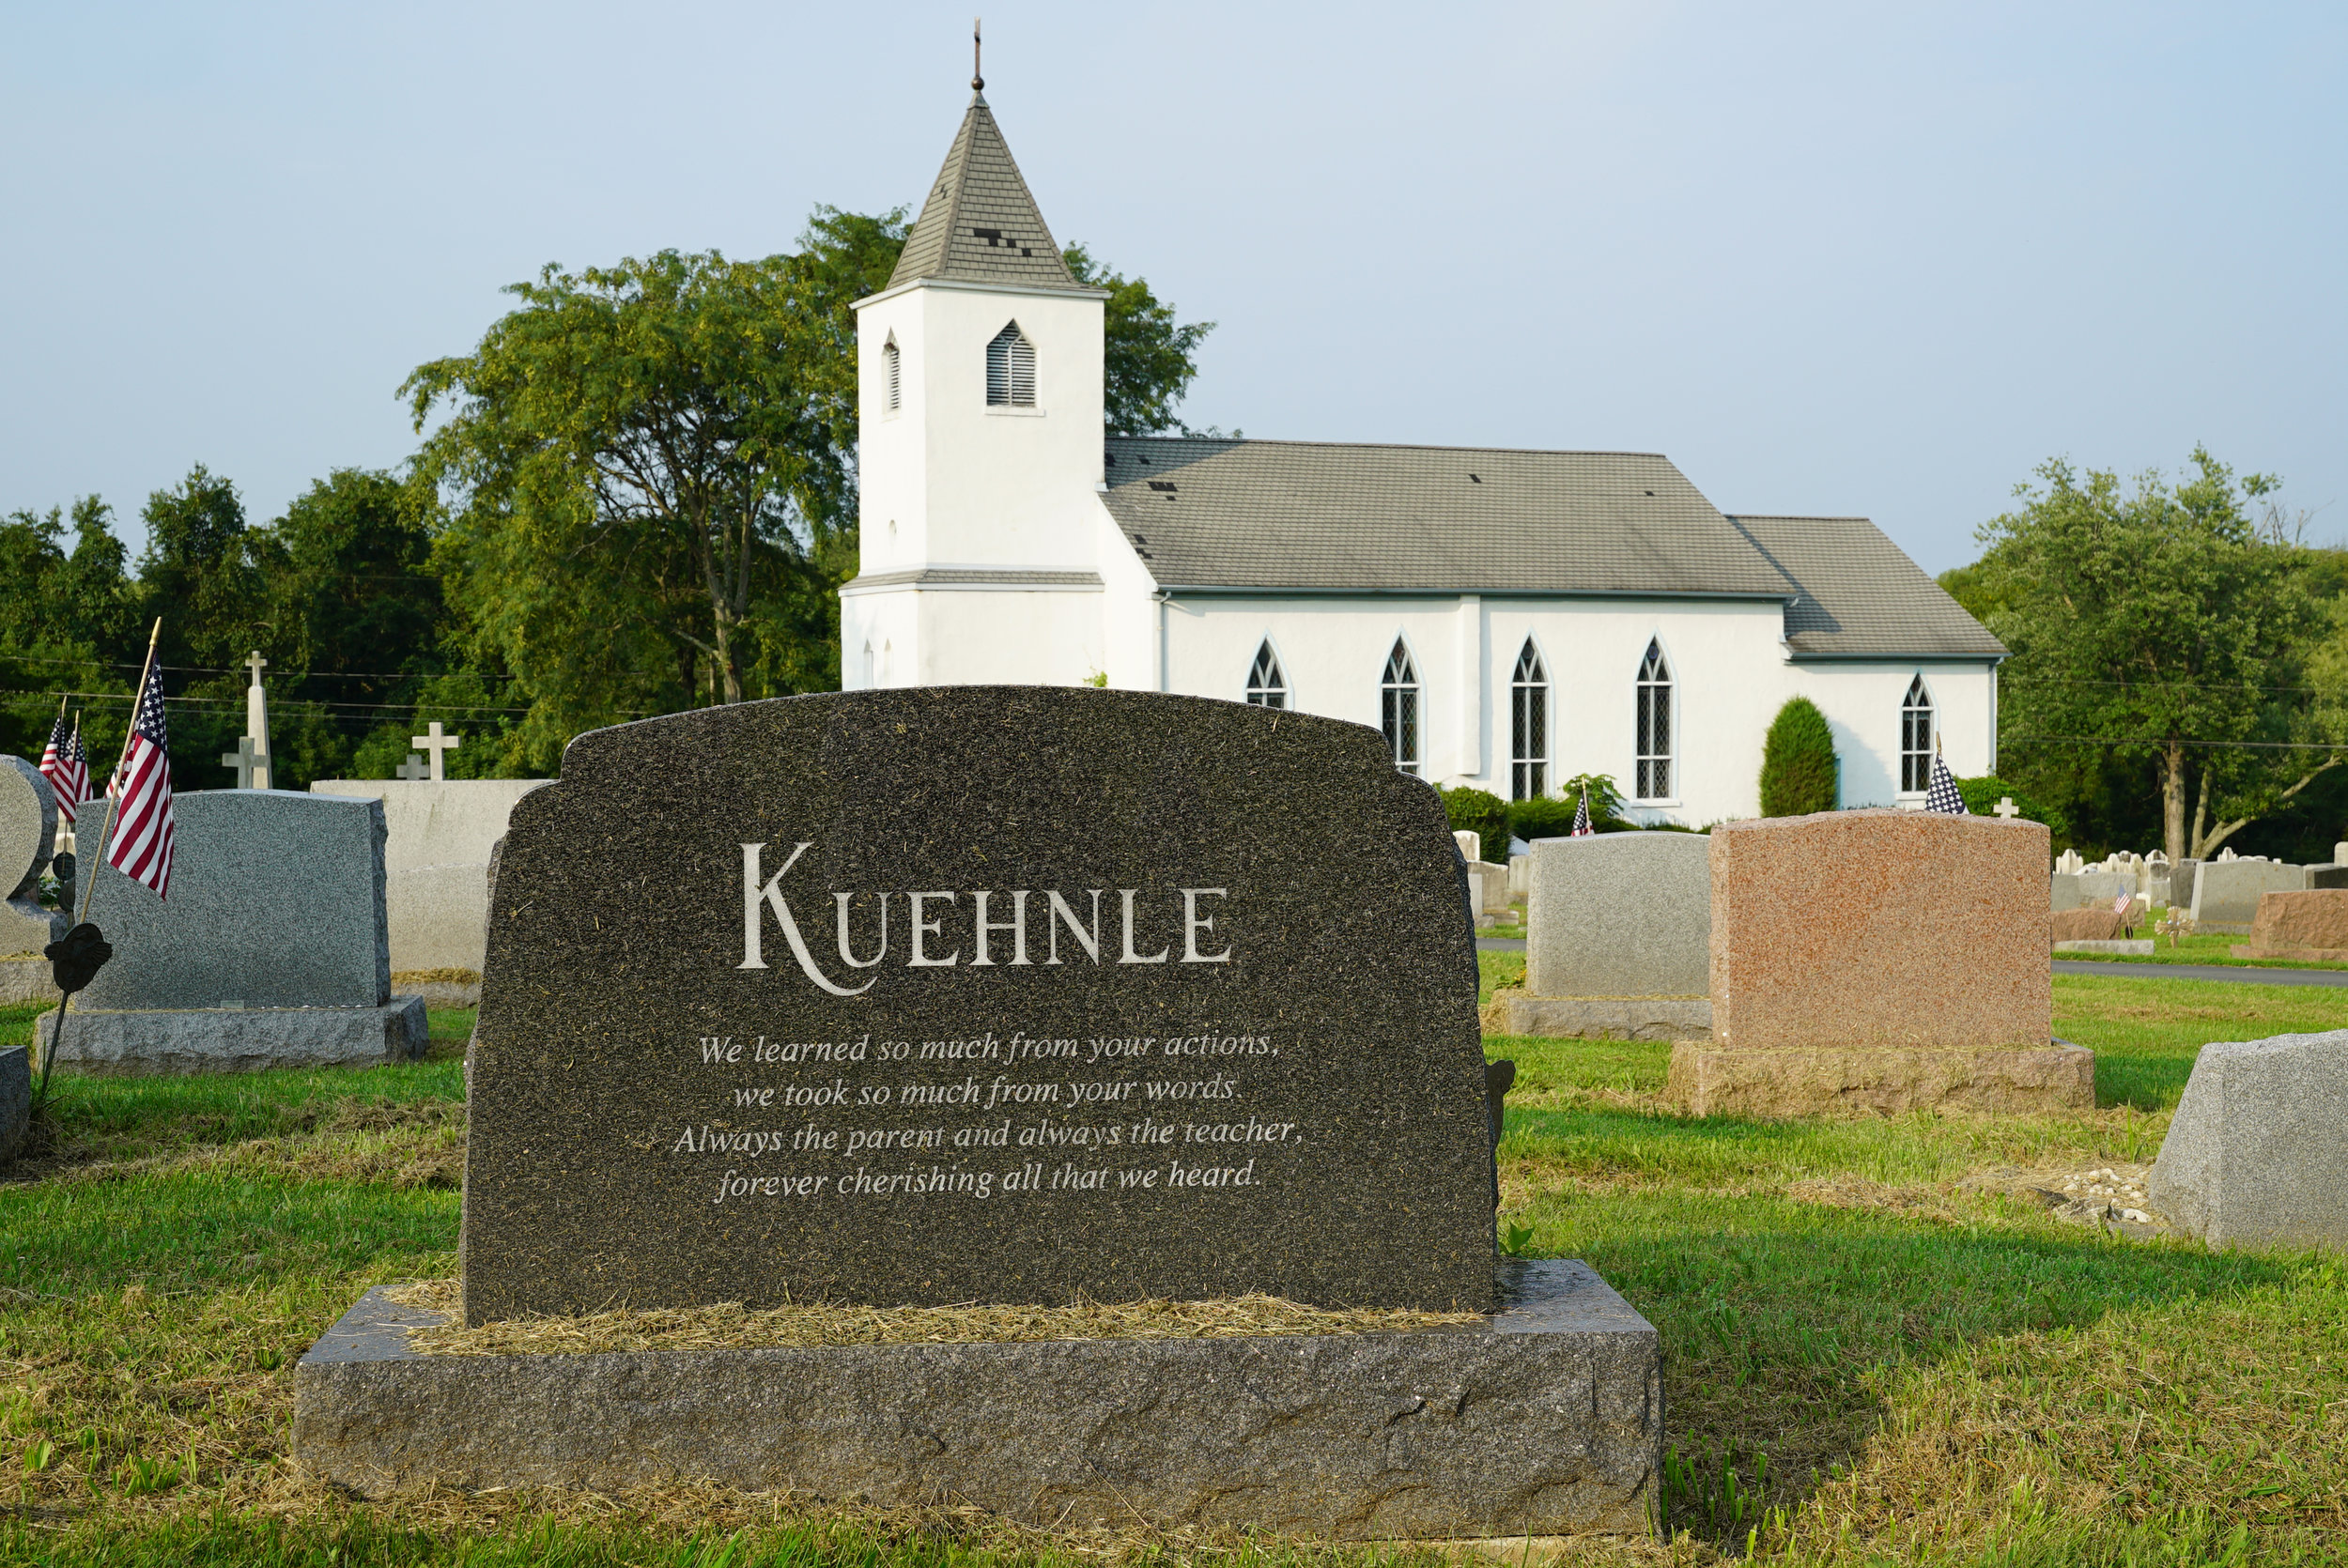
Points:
[[1528, 726], [1266, 686], [1655, 726], [1916, 738], [1398, 686], [1010, 370], [891, 381]]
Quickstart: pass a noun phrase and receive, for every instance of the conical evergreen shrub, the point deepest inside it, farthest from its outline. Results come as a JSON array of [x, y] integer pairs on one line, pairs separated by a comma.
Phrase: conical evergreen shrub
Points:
[[1798, 771]]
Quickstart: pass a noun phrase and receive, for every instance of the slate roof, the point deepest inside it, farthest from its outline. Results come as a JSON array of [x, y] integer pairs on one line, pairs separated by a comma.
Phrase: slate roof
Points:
[[1859, 592], [1312, 514], [979, 221]]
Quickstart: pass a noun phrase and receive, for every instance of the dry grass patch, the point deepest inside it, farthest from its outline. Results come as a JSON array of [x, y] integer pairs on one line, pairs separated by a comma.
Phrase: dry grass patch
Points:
[[414, 1144], [731, 1325]]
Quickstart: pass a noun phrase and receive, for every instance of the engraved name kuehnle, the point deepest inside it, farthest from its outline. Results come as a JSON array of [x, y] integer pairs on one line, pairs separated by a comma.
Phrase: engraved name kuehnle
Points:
[[949, 927]]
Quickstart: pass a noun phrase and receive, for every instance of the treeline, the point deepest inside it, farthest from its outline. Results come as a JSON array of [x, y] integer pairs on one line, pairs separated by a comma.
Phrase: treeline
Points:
[[2179, 669], [636, 494]]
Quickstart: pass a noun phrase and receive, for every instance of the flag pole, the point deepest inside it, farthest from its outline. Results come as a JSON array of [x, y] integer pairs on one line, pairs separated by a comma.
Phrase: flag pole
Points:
[[107, 826]]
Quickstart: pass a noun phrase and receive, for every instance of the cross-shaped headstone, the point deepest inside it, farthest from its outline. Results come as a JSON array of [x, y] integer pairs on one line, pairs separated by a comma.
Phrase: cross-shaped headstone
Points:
[[2006, 808], [436, 744], [256, 664], [244, 759], [413, 769]]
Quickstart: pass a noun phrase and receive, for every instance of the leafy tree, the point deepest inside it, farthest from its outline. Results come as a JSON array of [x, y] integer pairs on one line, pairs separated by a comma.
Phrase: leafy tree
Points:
[[1148, 362], [1799, 775], [638, 458], [2155, 615]]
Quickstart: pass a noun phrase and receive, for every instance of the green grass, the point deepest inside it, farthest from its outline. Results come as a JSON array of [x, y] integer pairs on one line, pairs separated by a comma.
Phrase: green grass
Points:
[[2212, 948], [1927, 1373]]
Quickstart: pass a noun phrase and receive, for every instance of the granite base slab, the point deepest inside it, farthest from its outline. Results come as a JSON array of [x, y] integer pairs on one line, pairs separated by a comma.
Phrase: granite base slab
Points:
[[2293, 955], [16, 1099], [27, 980], [105, 1043], [1607, 1018], [1788, 1082], [1545, 1419], [2133, 948]]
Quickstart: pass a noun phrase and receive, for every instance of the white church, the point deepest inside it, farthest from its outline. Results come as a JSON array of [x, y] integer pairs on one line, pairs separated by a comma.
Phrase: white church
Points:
[[1508, 619]]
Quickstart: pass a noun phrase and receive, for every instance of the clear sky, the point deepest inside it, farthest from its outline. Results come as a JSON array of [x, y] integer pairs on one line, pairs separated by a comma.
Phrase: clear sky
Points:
[[1830, 258]]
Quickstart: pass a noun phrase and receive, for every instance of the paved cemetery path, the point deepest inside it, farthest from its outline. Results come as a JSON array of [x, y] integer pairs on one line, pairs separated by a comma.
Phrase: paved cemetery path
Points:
[[2207, 972], [1500, 944]]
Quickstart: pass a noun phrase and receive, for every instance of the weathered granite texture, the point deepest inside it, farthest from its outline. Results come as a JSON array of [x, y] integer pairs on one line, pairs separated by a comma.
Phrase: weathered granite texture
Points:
[[1881, 1082], [436, 864], [2087, 925], [1620, 915], [1879, 961], [28, 826], [1547, 1420], [1606, 1018], [26, 980], [16, 1099], [2312, 926], [2225, 893], [276, 902], [105, 1043], [1257, 1067], [2255, 1155]]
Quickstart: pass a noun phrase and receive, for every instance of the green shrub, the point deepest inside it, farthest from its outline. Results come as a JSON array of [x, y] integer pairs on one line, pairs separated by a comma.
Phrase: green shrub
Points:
[[1981, 796], [1798, 768], [1480, 812], [1554, 818]]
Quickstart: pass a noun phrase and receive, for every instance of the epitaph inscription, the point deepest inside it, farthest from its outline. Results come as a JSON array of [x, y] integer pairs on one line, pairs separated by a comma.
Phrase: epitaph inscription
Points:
[[978, 994]]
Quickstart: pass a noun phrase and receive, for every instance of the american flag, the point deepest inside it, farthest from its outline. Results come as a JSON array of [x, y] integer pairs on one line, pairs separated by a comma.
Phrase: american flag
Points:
[[55, 767], [1581, 828], [76, 776], [1944, 797], [139, 846]]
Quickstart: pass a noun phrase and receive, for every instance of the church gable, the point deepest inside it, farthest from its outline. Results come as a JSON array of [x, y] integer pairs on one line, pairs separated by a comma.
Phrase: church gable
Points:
[[1859, 596]]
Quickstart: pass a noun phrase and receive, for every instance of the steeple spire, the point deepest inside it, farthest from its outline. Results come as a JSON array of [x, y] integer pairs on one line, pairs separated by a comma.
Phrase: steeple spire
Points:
[[979, 223]]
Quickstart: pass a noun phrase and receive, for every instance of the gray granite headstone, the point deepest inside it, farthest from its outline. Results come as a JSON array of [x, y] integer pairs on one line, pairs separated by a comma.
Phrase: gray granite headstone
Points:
[[28, 827], [1621, 915], [2255, 1153], [2181, 878], [1175, 998], [2226, 892], [276, 900]]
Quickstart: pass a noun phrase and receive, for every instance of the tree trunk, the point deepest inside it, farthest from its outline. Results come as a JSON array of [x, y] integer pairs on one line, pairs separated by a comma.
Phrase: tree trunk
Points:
[[723, 657], [2172, 800]]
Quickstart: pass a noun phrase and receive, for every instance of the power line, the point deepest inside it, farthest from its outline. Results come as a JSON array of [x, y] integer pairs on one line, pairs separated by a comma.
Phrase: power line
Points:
[[2243, 745]]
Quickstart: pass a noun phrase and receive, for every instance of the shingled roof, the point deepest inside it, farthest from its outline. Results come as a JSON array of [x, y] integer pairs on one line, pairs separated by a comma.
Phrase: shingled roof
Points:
[[1310, 515], [1859, 595], [1317, 517], [979, 223]]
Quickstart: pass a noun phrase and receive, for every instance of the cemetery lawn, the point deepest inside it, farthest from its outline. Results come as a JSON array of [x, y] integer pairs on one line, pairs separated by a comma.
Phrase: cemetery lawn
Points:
[[1891, 1364], [2207, 947]]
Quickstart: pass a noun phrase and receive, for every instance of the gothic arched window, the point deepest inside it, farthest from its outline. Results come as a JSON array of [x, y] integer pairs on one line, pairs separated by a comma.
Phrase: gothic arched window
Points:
[[892, 383], [1266, 686], [1528, 726], [1654, 769], [1398, 688], [1010, 370], [1916, 738]]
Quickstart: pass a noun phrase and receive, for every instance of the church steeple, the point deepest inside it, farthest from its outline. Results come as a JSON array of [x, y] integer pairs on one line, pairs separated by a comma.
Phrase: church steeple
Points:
[[980, 224]]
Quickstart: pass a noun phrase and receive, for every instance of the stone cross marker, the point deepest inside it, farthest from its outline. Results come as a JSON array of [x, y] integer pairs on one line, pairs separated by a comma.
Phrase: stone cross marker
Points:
[[2006, 808], [256, 726], [821, 998], [435, 743], [413, 769], [245, 760]]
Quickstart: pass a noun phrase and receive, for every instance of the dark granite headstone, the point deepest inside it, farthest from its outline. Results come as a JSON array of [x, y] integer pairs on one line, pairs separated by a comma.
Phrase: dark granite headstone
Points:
[[1175, 998]]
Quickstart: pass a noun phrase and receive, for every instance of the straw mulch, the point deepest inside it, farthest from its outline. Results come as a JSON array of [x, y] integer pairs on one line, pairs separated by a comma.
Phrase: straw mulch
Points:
[[732, 1325]]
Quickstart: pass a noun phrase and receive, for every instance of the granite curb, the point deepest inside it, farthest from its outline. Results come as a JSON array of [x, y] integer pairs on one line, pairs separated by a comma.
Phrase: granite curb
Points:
[[1546, 1418], [1622, 1018], [106, 1043]]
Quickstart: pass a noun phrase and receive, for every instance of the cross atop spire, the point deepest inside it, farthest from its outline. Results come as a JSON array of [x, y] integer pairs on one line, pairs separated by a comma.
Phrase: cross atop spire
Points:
[[979, 223], [977, 79]]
